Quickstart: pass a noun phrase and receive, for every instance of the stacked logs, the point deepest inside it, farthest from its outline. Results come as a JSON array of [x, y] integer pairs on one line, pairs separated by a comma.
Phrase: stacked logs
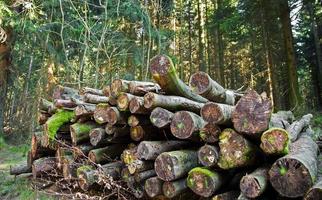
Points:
[[171, 140]]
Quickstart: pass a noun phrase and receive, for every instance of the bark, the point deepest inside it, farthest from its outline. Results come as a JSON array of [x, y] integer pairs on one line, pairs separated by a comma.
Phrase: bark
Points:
[[114, 116], [88, 90], [64, 103], [205, 182], [140, 166], [43, 166], [202, 84], [230, 195], [173, 165], [101, 113], [186, 125], [80, 132], [95, 99], [61, 154], [153, 187], [69, 168], [123, 101], [235, 150], [45, 105], [84, 110], [252, 114], [275, 141], [119, 86], [136, 106], [208, 155], [63, 92], [20, 169], [209, 133], [217, 113], [106, 154], [161, 118], [142, 176], [107, 93], [172, 103], [135, 120], [254, 184], [36, 149], [297, 127], [81, 151], [292, 175], [174, 188], [42, 118], [139, 133], [164, 73], [315, 192], [85, 181], [281, 119], [140, 88], [149, 150]]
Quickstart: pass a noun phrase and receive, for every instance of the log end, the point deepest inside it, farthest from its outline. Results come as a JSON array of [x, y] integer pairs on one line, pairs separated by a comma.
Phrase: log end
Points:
[[116, 87], [159, 65], [275, 141], [182, 125], [96, 136], [210, 133], [148, 100], [153, 187], [211, 112], [313, 194], [123, 102], [133, 121], [208, 155], [134, 105], [164, 167], [200, 182], [160, 117], [290, 178], [199, 82], [111, 116], [250, 186], [137, 133]]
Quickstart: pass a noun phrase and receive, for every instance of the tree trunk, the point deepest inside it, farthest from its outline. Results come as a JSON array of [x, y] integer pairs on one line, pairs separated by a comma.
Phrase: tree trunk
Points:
[[140, 88], [172, 103], [164, 73], [208, 155], [175, 188], [80, 132], [45, 105], [106, 154], [139, 166], [136, 106], [202, 84], [64, 103], [88, 90], [149, 150], [85, 110], [161, 118], [101, 113], [281, 119], [129, 155], [254, 184], [95, 99], [153, 187], [202, 65], [20, 169], [292, 175], [173, 165], [123, 101], [297, 127], [217, 113], [209, 133]]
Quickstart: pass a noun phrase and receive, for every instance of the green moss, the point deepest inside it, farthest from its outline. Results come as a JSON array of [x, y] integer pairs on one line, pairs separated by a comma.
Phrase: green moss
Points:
[[203, 135], [180, 125], [60, 118], [84, 168], [82, 127], [203, 170], [283, 170]]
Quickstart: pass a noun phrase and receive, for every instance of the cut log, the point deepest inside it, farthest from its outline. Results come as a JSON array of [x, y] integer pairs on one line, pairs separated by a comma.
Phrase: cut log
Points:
[[80, 131], [202, 84], [161, 118], [173, 165], [114, 116], [230, 195], [136, 106], [43, 166], [205, 182], [63, 92], [37, 150], [84, 110], [293, 175], [140, 133], [137, 189], [107, 93], [164, 73], [101, 113], [69, 168], [142, 176], [45, 105], [88, 90], [235, 150], [42, 118], [135, 120], [252, 114], [140, 88], [186, 125], [123, 101], [174, 188], [172, 103], [217, 113], [208, 155], [129, 155], [315, 192], [153, 187], [254, 184], [106, 154], [116, 134], [112, 170], [20, 169], [82, 150], [210, 133], [140, 166], [85, 182], [64, 103], [281, 119], [149, 150], [298, 126], [95, 99], [97, 135], [61, 154], [275, 141], [119, 86]]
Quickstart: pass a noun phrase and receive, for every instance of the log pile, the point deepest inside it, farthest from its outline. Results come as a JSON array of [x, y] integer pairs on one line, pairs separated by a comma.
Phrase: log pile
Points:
[[167, 139]]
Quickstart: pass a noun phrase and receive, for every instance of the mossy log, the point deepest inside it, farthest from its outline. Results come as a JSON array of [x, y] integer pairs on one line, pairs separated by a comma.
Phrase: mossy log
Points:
[[173, 165], [275, 141], [281, 119], [208, 155], [114, 116], [106, 154], [236, 150], [298, 126], [254, 184], [230, 195], [135, 120], [136, 106], [123, 101], [82, 150], [210, 133], [161, 117], [107, 93], [164, 73], [205, 182], [153, 187], [43, 166], [292, 175], [186, 125], [80, 131], [84, 110], [64, 103], [140, 88], [174, 188], [202, 84], [149, 150], [252, 114], [95, 99], [101, 113], [88, 90], [20, 169], [172, 103], [45, 105], [217, 113], [140, 133], [43, 117]]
